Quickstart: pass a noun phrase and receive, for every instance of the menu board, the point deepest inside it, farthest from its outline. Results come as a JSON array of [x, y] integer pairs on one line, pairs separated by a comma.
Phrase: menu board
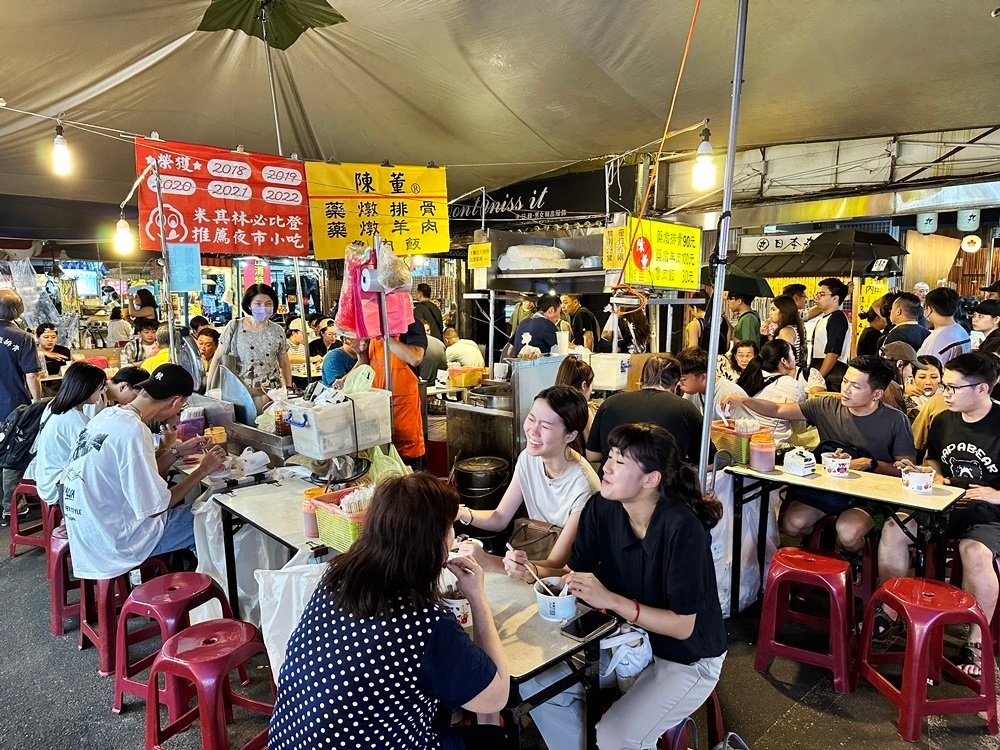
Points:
[[654, 253]]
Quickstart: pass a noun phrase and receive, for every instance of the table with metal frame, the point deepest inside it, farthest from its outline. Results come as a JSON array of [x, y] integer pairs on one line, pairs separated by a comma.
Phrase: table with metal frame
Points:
[[882, 489]]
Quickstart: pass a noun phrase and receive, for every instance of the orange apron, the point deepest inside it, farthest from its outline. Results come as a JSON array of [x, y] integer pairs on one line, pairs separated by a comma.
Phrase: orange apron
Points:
[[407, 422]]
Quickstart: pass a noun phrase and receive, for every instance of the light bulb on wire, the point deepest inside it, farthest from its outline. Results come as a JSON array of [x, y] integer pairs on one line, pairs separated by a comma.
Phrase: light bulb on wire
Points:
[[123, 237], [703, 174], [60, 153]]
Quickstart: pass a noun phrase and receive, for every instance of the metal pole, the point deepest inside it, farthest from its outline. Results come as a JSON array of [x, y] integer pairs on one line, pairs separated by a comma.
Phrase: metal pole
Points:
[[386, 355], [302, 315], [166, 262], [489, 347], [270, 78], [720, 272], [482, 220], [614, 329]]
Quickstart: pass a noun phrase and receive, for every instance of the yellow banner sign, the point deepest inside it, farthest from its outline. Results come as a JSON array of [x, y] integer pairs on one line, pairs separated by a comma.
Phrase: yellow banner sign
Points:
[[406, 205], [869, 290], [655, 253], [479, 255]]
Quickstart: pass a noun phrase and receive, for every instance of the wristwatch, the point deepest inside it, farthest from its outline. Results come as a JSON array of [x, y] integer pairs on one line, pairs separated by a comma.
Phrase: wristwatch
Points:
[[874, 465]]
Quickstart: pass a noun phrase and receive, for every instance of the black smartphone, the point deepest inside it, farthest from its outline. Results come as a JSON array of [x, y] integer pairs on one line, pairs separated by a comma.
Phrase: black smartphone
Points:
[[584, 626]]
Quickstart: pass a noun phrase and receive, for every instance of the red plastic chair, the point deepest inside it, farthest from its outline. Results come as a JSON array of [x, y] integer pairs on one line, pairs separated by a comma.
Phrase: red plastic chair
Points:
[[52, 517], [677, 736], [32, 535], [60, 581], [957, 571], [824, 537], [791, 565], [99, 604], [204, 655], [168, 601], [926, 607]]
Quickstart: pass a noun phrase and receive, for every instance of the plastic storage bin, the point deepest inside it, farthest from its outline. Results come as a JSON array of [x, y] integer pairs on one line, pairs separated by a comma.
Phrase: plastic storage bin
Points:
[[328, 430], [337, 529], [610, 371]]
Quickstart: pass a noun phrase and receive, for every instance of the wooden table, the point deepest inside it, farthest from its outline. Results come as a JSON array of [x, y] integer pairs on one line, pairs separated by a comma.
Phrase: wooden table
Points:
[[874, 488], [533, 645]]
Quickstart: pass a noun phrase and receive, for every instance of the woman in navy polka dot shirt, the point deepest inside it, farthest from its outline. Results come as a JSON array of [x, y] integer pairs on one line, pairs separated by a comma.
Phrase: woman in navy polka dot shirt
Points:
[[376, 653]]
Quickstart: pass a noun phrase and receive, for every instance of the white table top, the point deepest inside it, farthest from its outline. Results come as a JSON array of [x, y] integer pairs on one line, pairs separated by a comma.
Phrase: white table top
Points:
[[274, 508], [864, 484]]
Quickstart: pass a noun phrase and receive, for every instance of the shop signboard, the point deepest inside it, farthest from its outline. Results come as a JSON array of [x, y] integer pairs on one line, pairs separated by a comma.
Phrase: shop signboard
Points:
[[184, 265], [480, 255], [867, 292], [226, 202], [256, 272], [773, 244], [654, 253], [406, 205]]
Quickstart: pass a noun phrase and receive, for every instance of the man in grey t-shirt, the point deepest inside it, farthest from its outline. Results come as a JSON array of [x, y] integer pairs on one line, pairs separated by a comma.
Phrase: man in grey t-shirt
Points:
[[948, 339], [858, 420]]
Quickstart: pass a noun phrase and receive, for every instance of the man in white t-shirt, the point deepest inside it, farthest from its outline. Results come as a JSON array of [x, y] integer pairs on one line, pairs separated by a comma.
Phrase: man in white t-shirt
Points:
[[462, 352], [948, 339], [118, 509]]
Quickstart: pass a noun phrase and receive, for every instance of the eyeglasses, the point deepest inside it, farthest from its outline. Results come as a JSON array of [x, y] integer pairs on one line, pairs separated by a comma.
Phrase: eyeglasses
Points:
[[949, 390], [818, 295]]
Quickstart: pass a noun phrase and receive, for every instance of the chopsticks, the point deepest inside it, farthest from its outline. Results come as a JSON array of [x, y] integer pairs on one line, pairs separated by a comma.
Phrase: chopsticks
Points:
[[533, 574]]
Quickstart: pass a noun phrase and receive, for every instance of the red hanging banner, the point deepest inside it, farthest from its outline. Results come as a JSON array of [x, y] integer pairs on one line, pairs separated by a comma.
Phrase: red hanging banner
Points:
[[229, 203]]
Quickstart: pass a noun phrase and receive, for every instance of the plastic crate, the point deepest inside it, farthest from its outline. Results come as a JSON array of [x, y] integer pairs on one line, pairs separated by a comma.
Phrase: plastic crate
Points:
[[364, 420], [727, 439], [337, 529]]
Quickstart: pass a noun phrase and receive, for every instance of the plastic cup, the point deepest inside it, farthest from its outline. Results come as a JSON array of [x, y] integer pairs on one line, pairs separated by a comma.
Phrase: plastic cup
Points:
[[501, 370], [460, 609], [562, 342], [836, 467], [554, 608], [920, 479]]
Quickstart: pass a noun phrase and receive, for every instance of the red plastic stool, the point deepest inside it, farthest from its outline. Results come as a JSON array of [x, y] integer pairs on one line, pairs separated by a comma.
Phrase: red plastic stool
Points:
[[204, 655], [824, 537], [52, 517], [60, 582], [791, 565], [99, 603], [168, 600], [677, 736], [32, 535], [926, 607]]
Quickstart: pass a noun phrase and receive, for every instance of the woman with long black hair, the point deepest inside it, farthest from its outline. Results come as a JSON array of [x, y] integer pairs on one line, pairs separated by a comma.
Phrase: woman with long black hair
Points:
[[62, 422], [376, 652], [642, 551]]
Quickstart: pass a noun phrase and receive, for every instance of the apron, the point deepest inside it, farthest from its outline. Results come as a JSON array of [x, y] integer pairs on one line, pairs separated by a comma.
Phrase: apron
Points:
[[407, 423]]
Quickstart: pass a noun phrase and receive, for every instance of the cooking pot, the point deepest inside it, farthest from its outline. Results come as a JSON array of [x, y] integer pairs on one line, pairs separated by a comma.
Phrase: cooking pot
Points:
[[499, 397], [481, 483]]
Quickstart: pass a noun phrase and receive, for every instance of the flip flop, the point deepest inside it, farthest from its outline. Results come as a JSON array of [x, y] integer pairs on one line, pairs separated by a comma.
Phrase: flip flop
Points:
[[970, 659]]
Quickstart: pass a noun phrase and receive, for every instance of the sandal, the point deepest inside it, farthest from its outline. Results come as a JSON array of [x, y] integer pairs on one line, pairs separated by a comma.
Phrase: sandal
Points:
[[970, 660], [885, 629]]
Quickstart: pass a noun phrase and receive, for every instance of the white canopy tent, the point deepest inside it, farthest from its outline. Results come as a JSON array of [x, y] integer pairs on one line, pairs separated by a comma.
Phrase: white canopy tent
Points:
[[513, 88]]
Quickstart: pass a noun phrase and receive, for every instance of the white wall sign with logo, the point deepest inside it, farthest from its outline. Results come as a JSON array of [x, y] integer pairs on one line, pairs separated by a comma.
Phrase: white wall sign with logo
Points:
[[771, 244]]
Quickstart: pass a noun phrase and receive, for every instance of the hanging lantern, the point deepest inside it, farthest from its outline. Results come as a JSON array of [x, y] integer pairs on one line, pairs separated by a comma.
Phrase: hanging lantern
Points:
[[927, 223], [971, 243], [968, 220]]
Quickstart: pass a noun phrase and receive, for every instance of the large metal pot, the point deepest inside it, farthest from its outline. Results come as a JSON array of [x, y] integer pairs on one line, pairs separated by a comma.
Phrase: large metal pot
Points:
[[481, 483], [500, 397]]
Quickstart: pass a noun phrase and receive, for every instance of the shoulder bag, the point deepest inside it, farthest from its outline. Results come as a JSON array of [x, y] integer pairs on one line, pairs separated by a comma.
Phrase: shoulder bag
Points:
[[535, 538]]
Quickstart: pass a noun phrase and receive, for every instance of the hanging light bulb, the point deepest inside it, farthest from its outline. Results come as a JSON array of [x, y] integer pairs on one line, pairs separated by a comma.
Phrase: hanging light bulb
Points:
[[123, 237], [60, 152], [703, 174]]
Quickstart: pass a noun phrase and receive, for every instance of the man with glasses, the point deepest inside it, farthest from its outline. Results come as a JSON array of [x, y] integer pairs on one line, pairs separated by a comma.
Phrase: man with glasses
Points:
[[877, 435], [963, 446], [798, 293], [831, 339], [948, 339], [119, 510]]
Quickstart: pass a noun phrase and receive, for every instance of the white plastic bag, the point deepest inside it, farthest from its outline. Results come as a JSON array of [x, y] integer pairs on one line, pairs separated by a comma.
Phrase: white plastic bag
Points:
[[392, 272], [254, 550], [628, 653], [284, 595], [722, 543]]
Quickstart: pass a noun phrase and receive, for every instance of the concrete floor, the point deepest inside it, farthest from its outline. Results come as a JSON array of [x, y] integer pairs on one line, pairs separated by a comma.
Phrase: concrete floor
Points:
[[52, 697]]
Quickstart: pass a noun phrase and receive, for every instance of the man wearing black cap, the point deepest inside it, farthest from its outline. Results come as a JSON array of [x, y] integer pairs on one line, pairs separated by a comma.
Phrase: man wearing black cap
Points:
[[119, 510], [986, 320], [992, 291]]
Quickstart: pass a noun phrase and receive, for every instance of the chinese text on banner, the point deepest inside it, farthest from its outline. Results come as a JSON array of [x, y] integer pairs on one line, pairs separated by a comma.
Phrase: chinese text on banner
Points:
[[228, 203], [659, 254], [406, 205]]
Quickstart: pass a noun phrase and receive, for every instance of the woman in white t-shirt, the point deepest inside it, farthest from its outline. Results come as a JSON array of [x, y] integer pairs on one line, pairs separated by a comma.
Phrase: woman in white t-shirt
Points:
[[64, 419], [771, 376], [551, 477]]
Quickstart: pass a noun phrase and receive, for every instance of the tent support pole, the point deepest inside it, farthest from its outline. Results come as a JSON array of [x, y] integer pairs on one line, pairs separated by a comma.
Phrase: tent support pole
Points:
[[723, 235], [270, 79], [172, 346]]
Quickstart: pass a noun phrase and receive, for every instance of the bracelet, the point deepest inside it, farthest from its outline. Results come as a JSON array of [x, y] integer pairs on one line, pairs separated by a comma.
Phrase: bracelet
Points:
[[177, 453], [635, 619], [471, 517]]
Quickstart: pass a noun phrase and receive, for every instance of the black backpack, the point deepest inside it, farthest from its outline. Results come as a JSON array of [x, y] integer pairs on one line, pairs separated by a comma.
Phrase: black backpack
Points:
[[18, 433]]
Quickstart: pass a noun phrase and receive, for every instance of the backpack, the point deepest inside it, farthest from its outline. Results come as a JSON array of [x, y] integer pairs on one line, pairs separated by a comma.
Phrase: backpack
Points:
[[18, 433]]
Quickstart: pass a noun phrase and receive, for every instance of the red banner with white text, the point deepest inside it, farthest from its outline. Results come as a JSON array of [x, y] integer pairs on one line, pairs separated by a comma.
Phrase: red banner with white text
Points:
[[228, 203]]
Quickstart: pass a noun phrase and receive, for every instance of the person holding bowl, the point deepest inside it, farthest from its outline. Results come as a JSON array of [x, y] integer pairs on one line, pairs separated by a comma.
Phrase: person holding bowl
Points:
[[642, 552]]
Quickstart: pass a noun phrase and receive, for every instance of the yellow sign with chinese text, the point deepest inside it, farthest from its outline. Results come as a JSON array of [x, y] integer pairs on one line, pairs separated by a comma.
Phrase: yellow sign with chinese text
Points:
[[655, 253], [867, 292], [406, 205], [480, 255]]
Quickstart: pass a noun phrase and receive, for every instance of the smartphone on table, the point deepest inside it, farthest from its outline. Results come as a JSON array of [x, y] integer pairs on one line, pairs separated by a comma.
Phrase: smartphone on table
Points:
[[586, 625]]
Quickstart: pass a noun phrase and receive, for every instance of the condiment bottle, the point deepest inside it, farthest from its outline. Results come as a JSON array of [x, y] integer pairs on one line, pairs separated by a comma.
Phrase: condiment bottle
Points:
[[762, 452]]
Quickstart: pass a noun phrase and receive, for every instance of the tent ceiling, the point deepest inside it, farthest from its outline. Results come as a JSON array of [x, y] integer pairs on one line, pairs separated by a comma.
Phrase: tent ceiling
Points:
[[469, 82]]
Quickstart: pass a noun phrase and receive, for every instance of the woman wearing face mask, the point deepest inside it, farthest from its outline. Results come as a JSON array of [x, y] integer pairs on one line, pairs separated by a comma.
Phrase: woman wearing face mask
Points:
[[63, 420], [551, 478], [259, 344], [55, 356]]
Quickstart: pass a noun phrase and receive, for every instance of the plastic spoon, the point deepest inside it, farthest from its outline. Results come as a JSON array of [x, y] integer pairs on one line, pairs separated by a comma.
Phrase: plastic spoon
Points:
[[722, 413], [533, 574]]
